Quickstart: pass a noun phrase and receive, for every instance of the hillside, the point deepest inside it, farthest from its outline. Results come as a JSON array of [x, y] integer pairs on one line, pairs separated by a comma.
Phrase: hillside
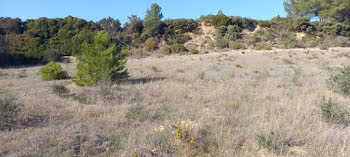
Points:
[[218, 104]]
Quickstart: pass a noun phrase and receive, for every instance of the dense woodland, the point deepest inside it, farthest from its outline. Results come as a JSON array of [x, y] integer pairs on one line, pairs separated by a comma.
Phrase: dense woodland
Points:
[[42, 40]]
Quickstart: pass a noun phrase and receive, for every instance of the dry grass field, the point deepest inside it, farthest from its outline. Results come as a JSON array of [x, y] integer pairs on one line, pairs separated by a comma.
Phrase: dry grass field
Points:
[[234, 103]]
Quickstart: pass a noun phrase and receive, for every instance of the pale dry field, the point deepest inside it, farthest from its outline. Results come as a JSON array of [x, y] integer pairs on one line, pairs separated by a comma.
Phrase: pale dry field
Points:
[[223, 100]]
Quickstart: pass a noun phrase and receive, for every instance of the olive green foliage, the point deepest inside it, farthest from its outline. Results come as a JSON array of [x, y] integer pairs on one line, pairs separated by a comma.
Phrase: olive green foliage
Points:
[[132, 31], [193, 50], [236, 45], [336, 9], [233, 32], [339, 80], [150, 45], [303, 25], [100, 60], [222, 43], [333, 112], [153, 26], [273, 141], [53, 71], [220, 20], [262, 46], [176, 48], [334, 28], [9, 109], [60, 90], [42, 40], [243, 23], [206, 18], [137, 113], [175, 28]]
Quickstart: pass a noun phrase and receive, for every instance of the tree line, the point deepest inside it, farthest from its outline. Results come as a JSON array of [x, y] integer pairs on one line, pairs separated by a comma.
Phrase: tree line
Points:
[[42, 40]]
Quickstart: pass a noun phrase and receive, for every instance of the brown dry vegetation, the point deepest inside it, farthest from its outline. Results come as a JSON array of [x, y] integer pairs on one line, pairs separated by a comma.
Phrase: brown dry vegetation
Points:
[[194, 105]]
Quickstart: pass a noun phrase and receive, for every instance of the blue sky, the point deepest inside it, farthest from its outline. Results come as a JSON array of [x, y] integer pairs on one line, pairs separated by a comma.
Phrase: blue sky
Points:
[[120, 9]]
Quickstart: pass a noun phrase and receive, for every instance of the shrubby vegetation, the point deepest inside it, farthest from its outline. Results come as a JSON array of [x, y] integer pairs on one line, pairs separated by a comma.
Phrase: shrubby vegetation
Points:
[[176, 48], [100, 60], [60, 90], [339, 80], [43, 40], [53, 71], [333, 112], [9, 109]]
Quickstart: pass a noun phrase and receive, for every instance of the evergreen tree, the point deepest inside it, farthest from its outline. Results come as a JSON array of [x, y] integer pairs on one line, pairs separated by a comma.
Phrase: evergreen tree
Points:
[[152, 23], [100, 60]]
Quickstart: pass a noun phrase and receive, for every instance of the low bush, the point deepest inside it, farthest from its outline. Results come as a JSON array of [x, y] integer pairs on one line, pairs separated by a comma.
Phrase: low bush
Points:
[[303, 25], [53, 71], [176, 48], [82, 99], [193, 50], [106, 91], [288, 41], [136, 113], [273, 141], [194, 139], [333, 112], [233, 32], [22, 74], [220, 20], [9, 109], [60, 90], [339, 80], [150, 45], [180, 25], [236, 45], [222, 43], [262, 46]]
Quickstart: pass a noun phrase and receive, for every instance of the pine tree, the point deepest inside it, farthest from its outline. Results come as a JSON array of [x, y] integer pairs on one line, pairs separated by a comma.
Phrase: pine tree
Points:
[[100, 60], [152, 23]]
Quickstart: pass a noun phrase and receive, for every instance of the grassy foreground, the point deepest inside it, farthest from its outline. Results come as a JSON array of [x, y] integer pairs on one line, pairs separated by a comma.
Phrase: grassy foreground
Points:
[[235, 103]]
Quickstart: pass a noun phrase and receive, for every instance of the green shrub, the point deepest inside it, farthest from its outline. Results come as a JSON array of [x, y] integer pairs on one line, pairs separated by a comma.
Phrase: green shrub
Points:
[[101, 60], [262, 46], [22, 74], [51, 55], [220, 20], [180, 25], [176, 38], [136, 113], [176, 48], [105, 91], [339, 80], [264, 23], [333, 112], [222, 43], [193, 50], [201, 75], [273, 142], [236, 45], [221, 31], [9, 109], [60, 90], [150, 45], [243, 23], [288, 41], [334, 28], [324, 46], [233, 32], [303, 25], [53, 71], [82, 99]]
